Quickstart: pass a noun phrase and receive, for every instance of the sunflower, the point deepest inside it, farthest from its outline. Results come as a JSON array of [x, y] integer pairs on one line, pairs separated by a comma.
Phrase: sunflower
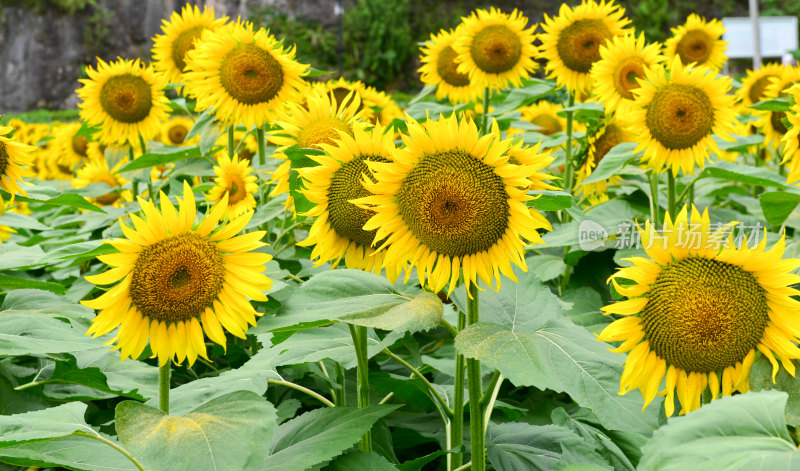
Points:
[[234, 180], [494, 49], [246, 76], [675, 116], [771, 122], [754, 85], [451, 201], [544, 114], [698, 312], [97, 171], [71, 148], [311, 125], [698, 42], [790, 142], [571, 41], [177, 281], [125, 100], [384, 109], [175, 129], [624, 60], [14, 157], [610, 135], [180, 34], [338, 231], [343, 90], [440, 69]]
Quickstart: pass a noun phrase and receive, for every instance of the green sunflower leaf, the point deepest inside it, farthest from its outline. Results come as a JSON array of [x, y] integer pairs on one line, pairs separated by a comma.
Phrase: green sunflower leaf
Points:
[[72, 452], [55, 422], [229, 432], [162, 156], [612, 163], [65, 199], [744, 174], [320, 435], [745, 432], [778, 205], [563, 357], [360, 460], [8, 282], [775, 104]]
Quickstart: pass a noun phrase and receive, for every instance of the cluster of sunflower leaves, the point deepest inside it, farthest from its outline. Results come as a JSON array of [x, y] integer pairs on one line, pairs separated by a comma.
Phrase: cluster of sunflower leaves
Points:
[[284, 394]]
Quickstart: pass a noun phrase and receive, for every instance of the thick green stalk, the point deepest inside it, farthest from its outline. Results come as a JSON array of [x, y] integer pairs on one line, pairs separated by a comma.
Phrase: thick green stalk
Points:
[[654, 196], [671, 194], [231, 141], [457, 427], [475, 390], [359, 334], [569, 171], [485, 121], [262, 146], [163, 386]]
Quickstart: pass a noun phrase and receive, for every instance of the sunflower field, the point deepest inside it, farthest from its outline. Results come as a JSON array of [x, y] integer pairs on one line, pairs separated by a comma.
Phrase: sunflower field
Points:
[[572, 250]]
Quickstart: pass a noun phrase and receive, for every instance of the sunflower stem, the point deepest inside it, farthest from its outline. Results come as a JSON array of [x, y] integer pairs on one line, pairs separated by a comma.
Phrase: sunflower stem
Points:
[[671, 194], [654, 196], [262, 146], [341, 397], [569, 171], [485, 121], [475, 389], [690, 198], [163, 385], [231, 140], [434, 393], [303, 389], [457, 428], [359, 334]]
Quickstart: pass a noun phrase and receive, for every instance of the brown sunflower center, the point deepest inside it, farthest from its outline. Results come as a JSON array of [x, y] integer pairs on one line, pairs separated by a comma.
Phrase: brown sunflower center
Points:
[[756, 91], [496, 49], [446, 68], [579, 44], [549, 124], [627, 75], [126, 98], [679, 116], [237, 189], [183, 44], [611, 136], [322, 131], [177, 133], [177, 278], [80, 145], [341, 94], [345, 218], [776, 117], [454, 203], [4, 158], [251, 75], [694, 46], [704, 315]]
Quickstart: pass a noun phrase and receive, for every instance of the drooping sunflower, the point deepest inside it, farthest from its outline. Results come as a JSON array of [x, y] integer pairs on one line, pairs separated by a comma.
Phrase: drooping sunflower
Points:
[[450, 202], [571, 41], [175, 129], [125, 100], [698, 42], [790, 142], [234, 180], [178, 38], [771, 122], [246, 76], [176, 280], [14, 158], [698, 311], [97, 171], [754, 85], [440, 69], [310, 126], [610, 135], [623, 62], [337, 232], [72, 149], [495, 49], [676, 116]]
